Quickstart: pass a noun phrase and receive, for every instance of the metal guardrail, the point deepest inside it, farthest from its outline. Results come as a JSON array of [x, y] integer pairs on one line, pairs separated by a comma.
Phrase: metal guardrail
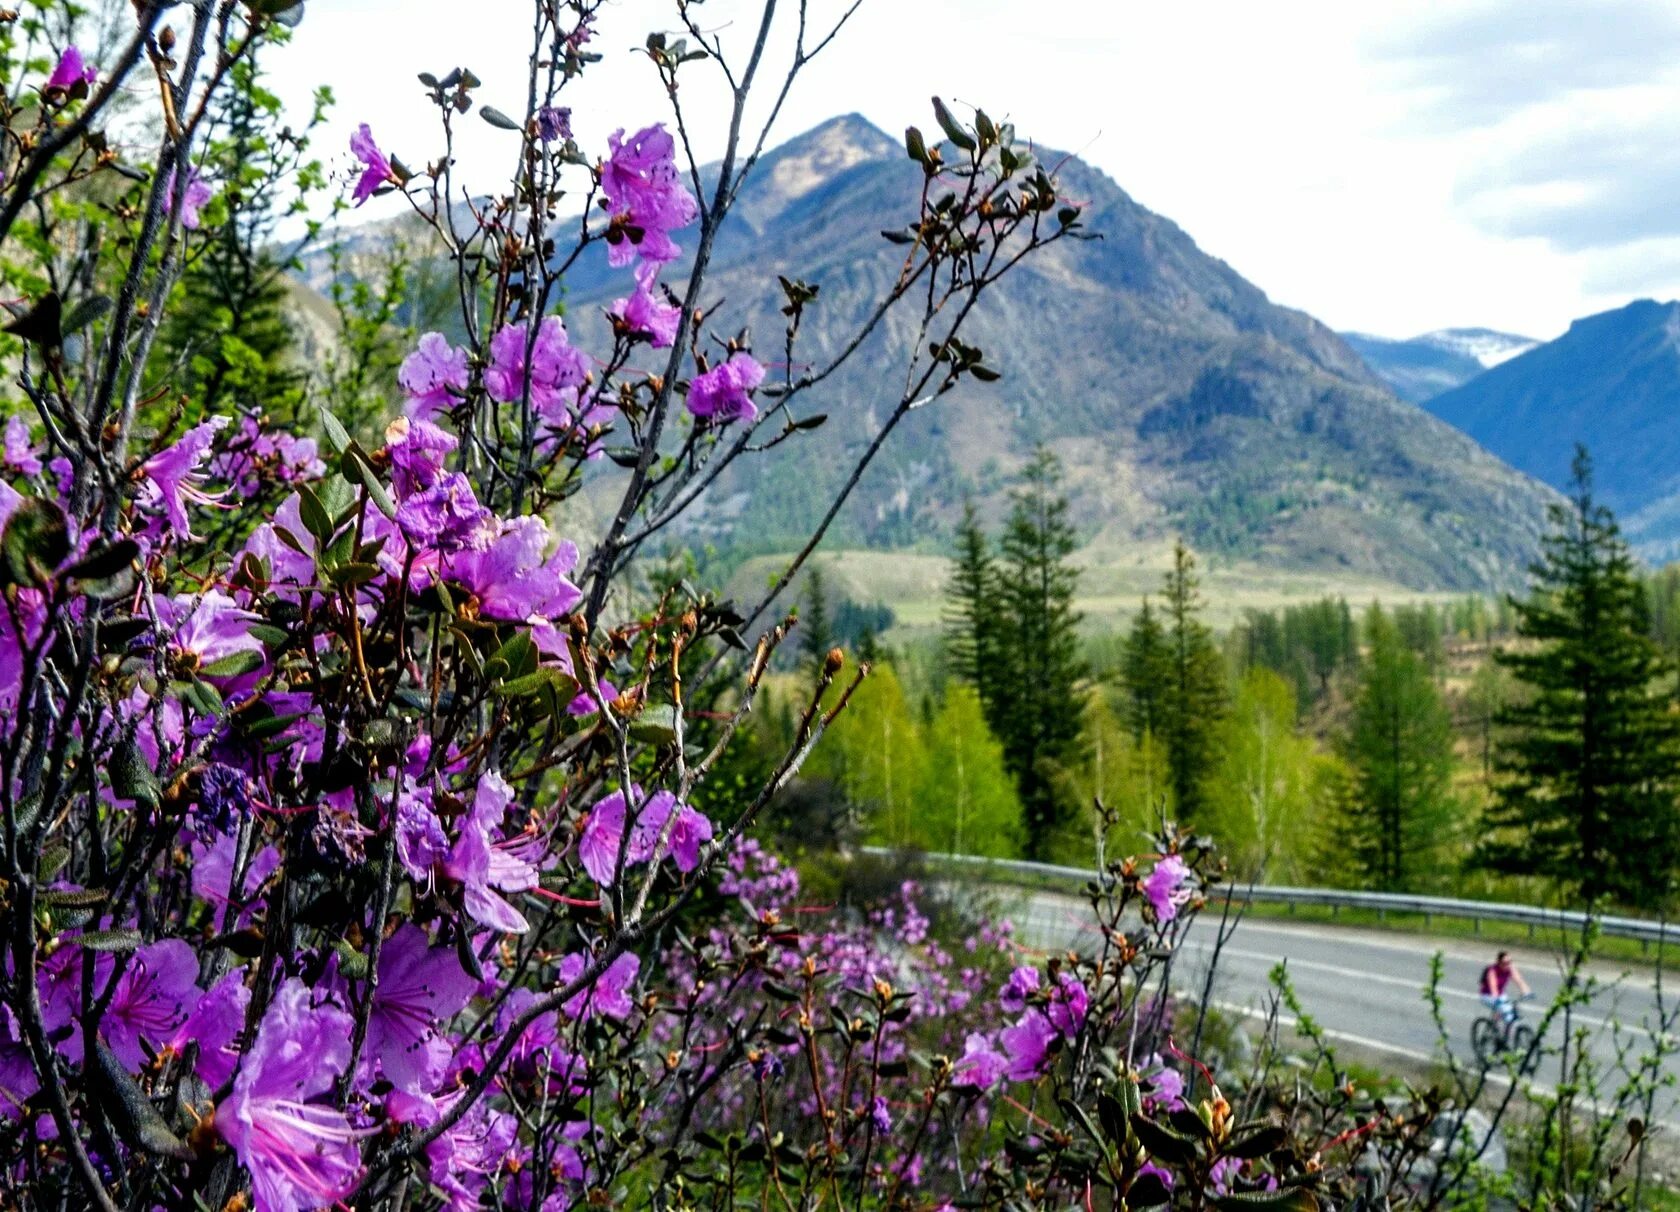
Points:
[[1382, 903]]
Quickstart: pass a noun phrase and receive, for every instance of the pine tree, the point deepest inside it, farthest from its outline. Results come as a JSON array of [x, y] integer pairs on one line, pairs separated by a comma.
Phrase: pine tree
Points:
[[967, 803], [816, 631], [971, 614], [1589, 763], [1399, 745], [1196, 698], [1145, 668], [1038, 704]]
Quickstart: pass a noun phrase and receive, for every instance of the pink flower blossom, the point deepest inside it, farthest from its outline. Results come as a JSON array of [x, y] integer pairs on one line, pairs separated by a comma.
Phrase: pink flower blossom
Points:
[[172, 475], [150, 1000], [376, 169], [609, 995], [724, 393], [556, 369], [1027, 1045], [434, 376], [645, 312], [19, 455], [487, 864], [420, 989], [1165, 887], [300, 1153], [511, 578], [71, 71], [196, 195], [981, 1066], [214, 1025], [647, 196]]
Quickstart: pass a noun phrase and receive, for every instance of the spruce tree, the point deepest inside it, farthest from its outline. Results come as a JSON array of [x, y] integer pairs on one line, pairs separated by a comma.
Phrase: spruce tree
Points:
[[971, 614], [1197, 697], [816, 637], [1038, 704], [1587, 762], [1399, 745], [1145, 668]]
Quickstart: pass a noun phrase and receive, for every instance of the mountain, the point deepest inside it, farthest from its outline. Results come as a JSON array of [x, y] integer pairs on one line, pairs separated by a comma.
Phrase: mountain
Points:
[[1423, 367], [1178, 397], [1612, 382]]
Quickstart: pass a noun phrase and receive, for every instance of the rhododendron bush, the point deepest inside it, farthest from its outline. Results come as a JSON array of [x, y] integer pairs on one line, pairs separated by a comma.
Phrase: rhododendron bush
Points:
[[358, 847]]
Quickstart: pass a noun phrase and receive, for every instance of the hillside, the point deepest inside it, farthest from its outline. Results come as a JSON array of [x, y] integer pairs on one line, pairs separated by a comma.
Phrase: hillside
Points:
[[1420, 368], [1180, 399], [1613, 382]]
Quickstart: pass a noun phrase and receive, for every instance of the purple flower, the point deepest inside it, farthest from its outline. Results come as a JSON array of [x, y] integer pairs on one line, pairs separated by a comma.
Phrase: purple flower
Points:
[[556, 369], [421, 841], [197, 193], [1165, 1086], [603, 833], [645, 312], [214, 1025], [212, 873], [418, 449], [1027, 1045], [151, 999], [879, 1112], [647, 196], [1022, 984], [465, 1157], [207, 626], [1068, 1005], [610, 994], [554, 122], [300, 1154], [723, 393], [434, 376], [980, 1066], [691, 830], [446, 516], [1165, 888], [376, 169], [172, 475], [17, 1071], [510, 577], [224, 795], [19, 455], [71, 71], [1165, 1176], [420, 989], [485, 864]]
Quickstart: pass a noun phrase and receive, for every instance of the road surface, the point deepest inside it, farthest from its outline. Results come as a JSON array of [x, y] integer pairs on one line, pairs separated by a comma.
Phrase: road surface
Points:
[[1366, 988]]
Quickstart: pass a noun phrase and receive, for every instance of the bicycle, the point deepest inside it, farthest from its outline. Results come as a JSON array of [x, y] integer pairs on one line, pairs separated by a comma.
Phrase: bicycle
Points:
[[1496, 1035]]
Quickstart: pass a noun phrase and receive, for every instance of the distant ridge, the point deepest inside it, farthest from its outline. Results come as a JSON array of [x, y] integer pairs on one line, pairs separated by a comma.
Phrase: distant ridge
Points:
[[1613, 382], [1420, 368]]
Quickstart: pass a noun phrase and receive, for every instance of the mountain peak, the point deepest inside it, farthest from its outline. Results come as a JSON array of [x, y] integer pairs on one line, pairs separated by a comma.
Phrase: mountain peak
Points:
[[811, 160]]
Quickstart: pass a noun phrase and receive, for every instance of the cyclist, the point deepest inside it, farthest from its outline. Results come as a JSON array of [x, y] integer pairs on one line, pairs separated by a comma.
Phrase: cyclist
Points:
[[1497, 977]]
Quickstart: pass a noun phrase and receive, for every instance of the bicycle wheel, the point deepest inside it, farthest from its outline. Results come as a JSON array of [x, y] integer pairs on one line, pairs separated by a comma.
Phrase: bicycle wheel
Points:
[[1484, 1040], [1522, 1047]]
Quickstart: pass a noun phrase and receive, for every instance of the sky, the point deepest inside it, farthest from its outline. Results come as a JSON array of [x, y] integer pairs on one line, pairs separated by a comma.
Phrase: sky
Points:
[[1389, 166]]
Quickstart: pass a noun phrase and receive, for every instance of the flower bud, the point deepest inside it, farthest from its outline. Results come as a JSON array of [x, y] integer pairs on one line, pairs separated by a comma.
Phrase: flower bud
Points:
[[833, 663]]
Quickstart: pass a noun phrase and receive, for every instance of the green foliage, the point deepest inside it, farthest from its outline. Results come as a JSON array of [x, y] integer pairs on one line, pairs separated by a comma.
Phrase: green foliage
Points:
[[1037, 707], [1588, 764], [1145, 670], [972, 614], [1400, 747], [1196, 697], [1306, 645], [1126, 773], [967, 802], [1269, 784], [816, 632], [875, 751]]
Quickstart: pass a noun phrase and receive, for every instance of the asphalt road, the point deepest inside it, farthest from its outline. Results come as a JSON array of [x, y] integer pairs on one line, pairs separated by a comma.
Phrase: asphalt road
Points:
[[1366, 988]]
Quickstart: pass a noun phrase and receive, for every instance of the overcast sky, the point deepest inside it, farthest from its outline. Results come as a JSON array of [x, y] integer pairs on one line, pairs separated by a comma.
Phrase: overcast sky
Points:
[[1392, 166]]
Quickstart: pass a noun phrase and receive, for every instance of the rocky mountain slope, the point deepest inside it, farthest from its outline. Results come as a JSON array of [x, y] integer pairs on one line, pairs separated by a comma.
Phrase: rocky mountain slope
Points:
[[1179, 398]]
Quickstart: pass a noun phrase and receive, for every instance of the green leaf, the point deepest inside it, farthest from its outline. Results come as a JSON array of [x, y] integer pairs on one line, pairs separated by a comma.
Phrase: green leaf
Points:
[[370, 480], [110, 940], [106, 560], [136, 1120], [85, 313], [519, 655], [535, 683], [497, 118], [952, 128], [35, 542], [351, 962], [655, 726], [315, 517], [234, 665], [1257, 1144], [71, 898], [1162, 1142], [132, 777], [1147, 1191], [333, 429], [1290, 1199], [201, 696], [914, 145]]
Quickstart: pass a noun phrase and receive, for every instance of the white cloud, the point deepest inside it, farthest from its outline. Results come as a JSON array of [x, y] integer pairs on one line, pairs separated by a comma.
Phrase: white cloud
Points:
[[1345, 157]]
